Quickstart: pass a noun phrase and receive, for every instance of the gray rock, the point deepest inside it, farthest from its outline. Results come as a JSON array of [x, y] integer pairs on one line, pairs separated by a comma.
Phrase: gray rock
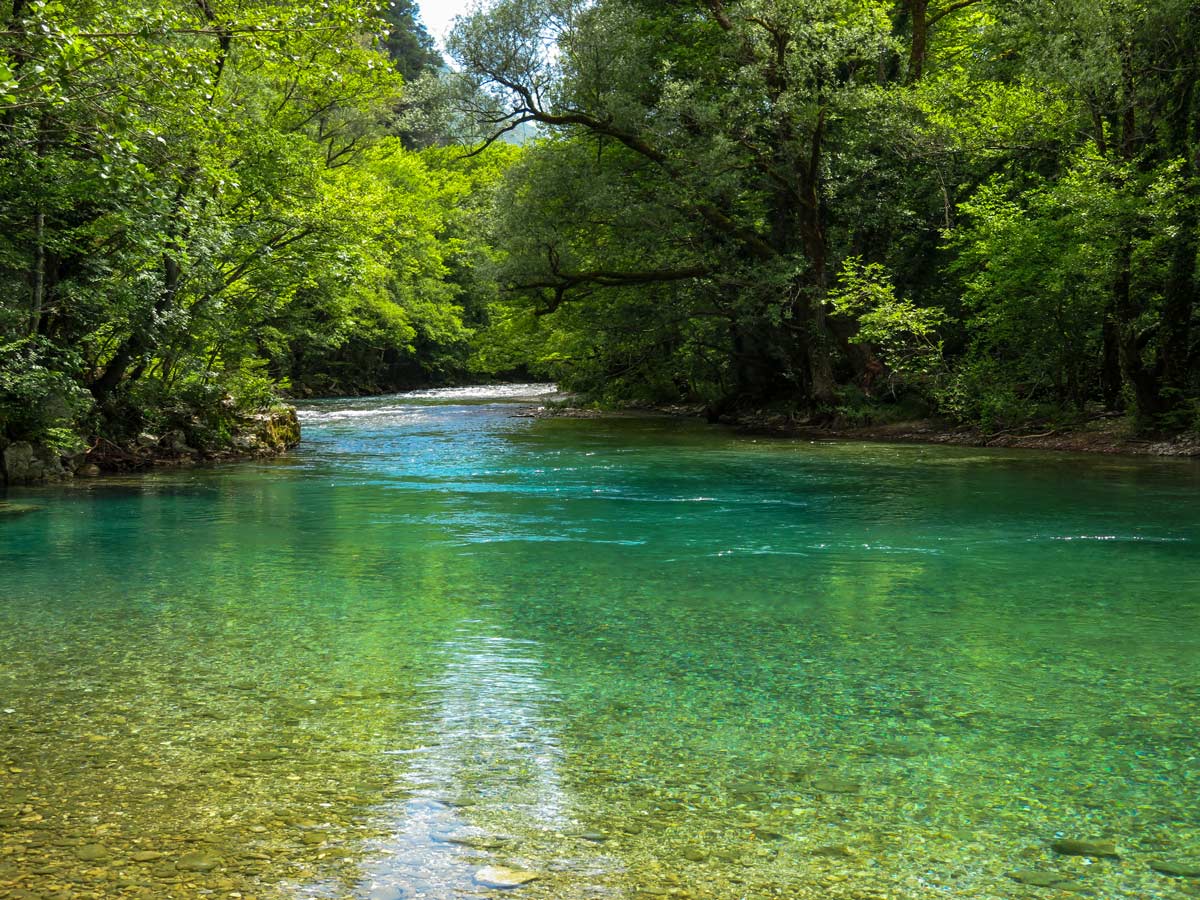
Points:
[[52, 463], [176, 442], [247, 443], [20, 465], [26, 463], [88, 470]]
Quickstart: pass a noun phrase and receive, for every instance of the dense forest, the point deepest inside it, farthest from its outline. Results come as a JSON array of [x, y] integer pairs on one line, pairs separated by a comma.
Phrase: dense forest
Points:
[[841, 209]]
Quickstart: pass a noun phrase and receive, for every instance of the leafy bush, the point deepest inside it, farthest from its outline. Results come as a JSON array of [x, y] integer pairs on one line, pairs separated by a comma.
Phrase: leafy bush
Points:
[[41, 398]]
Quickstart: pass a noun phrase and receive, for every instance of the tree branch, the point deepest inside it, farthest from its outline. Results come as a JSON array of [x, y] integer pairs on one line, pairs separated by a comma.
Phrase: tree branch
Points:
[[953, 7]]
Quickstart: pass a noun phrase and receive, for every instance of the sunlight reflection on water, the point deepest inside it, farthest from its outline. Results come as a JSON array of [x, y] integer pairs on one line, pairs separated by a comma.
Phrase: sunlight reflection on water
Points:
[[496, 747]]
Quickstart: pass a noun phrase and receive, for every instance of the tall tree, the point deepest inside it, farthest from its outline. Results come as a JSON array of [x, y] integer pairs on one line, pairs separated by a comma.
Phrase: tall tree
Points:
[[412, 49], [723, 118]]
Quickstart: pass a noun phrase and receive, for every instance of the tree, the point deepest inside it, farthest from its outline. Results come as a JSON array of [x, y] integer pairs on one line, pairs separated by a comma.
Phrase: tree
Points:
[[721, 120], [182, 185], [411, 48]]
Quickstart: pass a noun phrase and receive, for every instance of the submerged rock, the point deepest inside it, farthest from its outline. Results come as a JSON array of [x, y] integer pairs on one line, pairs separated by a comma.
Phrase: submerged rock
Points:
[[1106, 849], [896, 749], [834, 851], [197, 861], [93, 853], [16, 509], [1038, 877], [502, 878], [475, 842], [1176, 867], [836, 786]]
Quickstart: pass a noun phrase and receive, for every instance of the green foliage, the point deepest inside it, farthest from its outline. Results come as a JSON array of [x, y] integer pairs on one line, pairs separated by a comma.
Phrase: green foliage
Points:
[[905, 335], [204, 203], [992, 208], [409, 45], [41, 398], [1022, 177]]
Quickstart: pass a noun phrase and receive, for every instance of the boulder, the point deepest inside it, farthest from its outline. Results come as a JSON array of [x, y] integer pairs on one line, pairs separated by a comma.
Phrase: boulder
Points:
[[21, 466], [51, 462], [277, 429], [176, 442]]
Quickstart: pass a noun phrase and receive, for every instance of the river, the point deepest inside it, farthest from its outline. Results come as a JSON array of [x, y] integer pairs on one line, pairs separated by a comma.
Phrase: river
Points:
[[442, 643]]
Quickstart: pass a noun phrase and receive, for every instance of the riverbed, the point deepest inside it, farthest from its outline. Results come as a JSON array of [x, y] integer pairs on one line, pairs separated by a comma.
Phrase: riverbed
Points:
[[443, 645]]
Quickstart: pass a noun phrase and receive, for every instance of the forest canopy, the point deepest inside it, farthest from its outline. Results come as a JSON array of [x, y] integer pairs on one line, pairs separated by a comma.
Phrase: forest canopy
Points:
[[988, 208], [981, 210]]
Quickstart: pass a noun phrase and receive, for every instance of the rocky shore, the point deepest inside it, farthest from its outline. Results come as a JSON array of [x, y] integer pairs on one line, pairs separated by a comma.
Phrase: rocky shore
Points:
[[265, 433]]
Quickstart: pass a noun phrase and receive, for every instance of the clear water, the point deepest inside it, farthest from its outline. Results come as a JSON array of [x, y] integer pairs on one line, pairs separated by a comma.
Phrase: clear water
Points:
[[637, 657]]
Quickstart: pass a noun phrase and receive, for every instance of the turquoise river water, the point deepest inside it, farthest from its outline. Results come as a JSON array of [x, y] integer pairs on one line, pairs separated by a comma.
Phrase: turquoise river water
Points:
[[636, 658]]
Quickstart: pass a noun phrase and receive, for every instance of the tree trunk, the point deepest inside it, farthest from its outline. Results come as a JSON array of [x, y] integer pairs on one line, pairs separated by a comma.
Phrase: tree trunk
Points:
[[1142, 378], [811, 296], [1179, 301], [1110, 363], [140, 340], [39, 270], [919, 9], [38, 275]]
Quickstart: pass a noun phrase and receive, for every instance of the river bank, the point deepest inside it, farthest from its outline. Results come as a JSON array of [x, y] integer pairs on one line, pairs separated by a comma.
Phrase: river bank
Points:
[[264, 433], [1110, 436]]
